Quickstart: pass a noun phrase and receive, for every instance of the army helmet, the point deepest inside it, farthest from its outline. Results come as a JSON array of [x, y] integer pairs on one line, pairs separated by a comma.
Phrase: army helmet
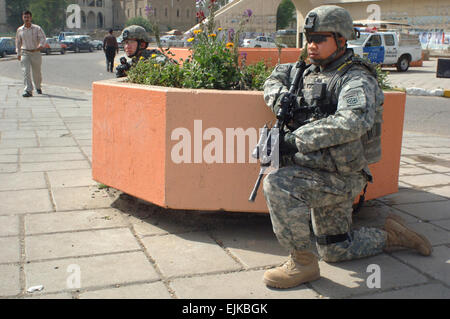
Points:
[[330, 18], [135, 32]]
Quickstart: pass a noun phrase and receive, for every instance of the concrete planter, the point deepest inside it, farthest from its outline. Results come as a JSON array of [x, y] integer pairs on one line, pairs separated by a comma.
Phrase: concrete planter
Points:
[[175, 147]]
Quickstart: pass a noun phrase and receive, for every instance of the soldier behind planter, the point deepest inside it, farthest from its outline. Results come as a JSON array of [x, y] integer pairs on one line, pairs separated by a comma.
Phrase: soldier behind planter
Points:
[[135, 41], [325, 161]]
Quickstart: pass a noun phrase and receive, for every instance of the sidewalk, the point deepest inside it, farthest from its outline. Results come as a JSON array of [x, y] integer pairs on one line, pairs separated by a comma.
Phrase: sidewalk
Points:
[[56, 223]]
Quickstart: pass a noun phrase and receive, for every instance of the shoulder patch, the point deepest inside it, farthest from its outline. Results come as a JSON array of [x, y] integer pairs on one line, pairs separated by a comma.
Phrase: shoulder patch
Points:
[[352, 100], [282, 68]]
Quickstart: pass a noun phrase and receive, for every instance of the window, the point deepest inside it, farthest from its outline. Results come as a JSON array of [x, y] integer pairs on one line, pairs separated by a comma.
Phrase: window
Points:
[[140, 12], [99, 3], [374, 41], [389, 39], [91, 3], [187, 13], [178, 13], [165, 12]]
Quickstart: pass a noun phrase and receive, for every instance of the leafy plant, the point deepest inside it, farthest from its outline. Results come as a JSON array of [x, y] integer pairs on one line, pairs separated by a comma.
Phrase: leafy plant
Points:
[[212, 64]]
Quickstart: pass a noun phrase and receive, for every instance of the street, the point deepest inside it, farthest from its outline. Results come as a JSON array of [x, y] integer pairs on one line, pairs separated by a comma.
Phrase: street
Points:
[[72, 70]]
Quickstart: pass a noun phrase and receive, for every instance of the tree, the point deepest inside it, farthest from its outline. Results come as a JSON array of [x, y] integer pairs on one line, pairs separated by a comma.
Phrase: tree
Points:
[[140, 21], [285, 14], [49, 14], [14, 9]]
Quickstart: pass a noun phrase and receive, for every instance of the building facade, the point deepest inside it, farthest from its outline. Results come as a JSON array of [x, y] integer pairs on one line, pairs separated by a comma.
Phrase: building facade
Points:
[[3, 23], [169, 14], [96, 14]]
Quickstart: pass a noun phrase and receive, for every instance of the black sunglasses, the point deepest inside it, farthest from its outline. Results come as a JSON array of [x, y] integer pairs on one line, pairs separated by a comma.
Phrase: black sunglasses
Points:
[[317, 38]]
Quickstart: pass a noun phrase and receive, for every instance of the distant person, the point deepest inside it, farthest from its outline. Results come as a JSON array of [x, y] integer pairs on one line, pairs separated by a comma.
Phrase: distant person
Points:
[[30, 39], [110, 47]]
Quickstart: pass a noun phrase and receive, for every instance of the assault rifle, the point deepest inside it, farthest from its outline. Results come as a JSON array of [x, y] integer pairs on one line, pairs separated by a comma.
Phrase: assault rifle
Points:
[[264, 150]]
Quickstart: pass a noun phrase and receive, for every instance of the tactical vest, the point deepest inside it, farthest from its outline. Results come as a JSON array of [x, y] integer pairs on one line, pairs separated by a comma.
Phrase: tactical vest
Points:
[[320, 93]]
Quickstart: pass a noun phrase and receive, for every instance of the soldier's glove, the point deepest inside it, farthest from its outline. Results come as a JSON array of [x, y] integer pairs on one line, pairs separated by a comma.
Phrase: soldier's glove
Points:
[[287, 145], [288, 102]]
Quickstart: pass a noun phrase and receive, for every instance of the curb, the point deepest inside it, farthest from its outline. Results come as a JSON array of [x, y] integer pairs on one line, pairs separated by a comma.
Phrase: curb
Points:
[[427, 92], [8, 59]]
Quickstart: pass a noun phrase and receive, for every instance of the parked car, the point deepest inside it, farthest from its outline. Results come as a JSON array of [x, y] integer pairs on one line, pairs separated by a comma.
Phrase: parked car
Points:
[[171, 41], [7, 46], [261, 42], [53, 45], [62, 35], [97, 44], [388, 48], [119, 42], [78, 43]]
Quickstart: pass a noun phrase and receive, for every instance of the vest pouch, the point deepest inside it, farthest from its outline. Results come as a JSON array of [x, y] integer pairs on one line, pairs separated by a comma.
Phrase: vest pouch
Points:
[[348, 157]]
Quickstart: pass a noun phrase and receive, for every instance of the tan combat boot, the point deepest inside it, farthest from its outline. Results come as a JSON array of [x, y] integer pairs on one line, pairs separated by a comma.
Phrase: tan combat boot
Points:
[[302, 266], [398, 234]]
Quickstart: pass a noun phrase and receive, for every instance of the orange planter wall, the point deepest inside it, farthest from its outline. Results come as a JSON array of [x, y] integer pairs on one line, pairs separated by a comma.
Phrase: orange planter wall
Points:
[[132, 145], [270, 56]]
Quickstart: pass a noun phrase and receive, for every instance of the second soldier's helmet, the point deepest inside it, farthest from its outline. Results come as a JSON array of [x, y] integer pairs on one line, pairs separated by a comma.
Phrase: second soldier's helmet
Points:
[[135, 32], [330, 18]]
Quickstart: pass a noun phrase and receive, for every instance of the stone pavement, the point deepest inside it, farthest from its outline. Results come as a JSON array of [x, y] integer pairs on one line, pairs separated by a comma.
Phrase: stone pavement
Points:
[[59, 229], [423, 77]]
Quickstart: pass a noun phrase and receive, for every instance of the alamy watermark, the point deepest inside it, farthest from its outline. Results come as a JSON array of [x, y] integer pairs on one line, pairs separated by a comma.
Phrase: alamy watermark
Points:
[[73, 281], [73, 20], [374, 279], [212, 145]]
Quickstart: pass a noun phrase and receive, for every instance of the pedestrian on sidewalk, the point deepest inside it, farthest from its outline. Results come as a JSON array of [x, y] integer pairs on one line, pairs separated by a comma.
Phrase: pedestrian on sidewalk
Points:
[[333, 134], [30, 39], [111, 48]]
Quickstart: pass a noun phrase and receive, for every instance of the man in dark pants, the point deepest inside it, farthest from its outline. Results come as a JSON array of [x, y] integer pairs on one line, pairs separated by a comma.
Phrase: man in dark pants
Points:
[[110, 47]]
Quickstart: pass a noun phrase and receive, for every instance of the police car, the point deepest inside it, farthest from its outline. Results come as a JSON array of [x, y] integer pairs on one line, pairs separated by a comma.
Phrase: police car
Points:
[[388, 48]]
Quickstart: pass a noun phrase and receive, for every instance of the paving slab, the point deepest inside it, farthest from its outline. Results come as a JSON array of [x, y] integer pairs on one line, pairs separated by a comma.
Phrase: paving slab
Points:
[[8, 167], [410, 195], [443, 191], [406, 170], [83, 243], [48, 296], [375, 216], [10, 283], [426, 180], [437, 265], [442, 223], [25, 201], [9, 158], [156, 290], [10, 250], [428, 291], [436, 235], [427, 211], [18, 142], [224, 286], [35, 158], [19, 181], [254, 247], [9, 225], [346, 279], [57, 141], [50, 150], [188, 254], [95, 272], [18, 134], [71, 178], [75, 198], [53, 166], [73, 221]]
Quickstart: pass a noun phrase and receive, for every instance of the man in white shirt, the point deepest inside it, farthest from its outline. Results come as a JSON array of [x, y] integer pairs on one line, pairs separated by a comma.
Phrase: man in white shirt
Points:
[[30, 39]]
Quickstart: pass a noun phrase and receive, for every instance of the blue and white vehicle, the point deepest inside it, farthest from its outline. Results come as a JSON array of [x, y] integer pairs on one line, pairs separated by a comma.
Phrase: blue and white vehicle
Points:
[[388, 48]]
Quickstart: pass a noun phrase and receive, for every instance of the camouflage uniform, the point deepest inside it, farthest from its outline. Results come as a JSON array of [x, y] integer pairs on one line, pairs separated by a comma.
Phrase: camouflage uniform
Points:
[[138, 33], [322, 180]]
